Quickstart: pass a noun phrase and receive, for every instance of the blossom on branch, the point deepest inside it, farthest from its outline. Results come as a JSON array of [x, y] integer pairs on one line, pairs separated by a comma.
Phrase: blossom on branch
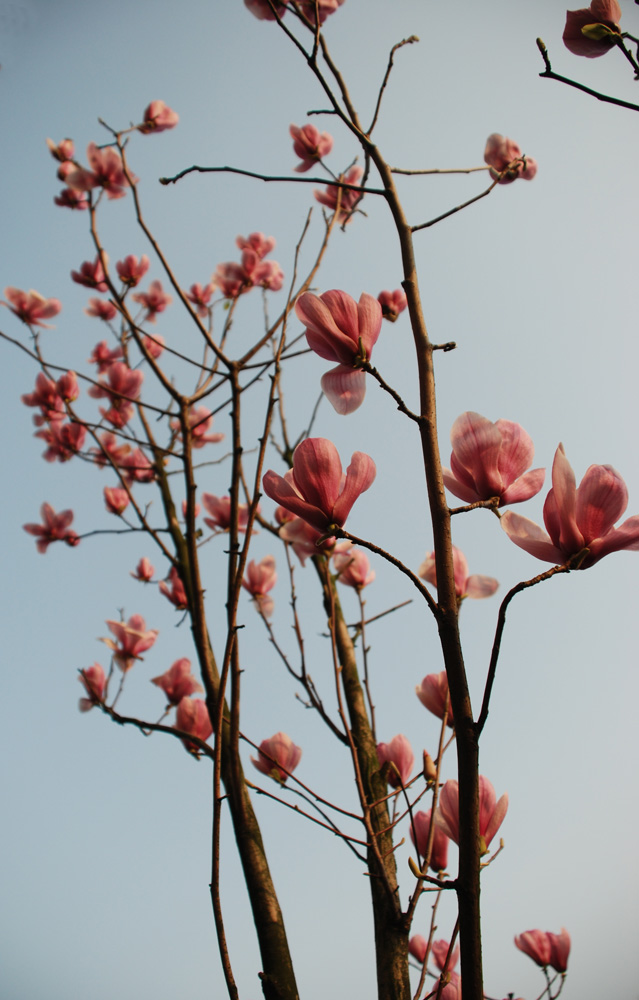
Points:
[[340, 329], [310, 145], [155, 300], [578, 519], [476, 586], [220, 510], [303, 537], [192, 717], [121, 388], [439, 854], [260, 578], [158, 117], [352, 566], [133, 638], [71, 198], [593, 31], [91, 274], [106, 172], [31, 307], [433, 694], [131, 270], [174, 590], [116, 499], [143, 571], [94, 681], [178, 682], [349, 198], [439, 951], [200, 421], [314, 489], [200, 297], [102, 356], [489, 460], [504, 156], [278, 757], [546, 948], [399, 754], [54, 528], [103, 310], [324, 8], [63, 440], [263, 10], [63, 152], [491, 812], [48, 398], [258, 242], [392, 303]]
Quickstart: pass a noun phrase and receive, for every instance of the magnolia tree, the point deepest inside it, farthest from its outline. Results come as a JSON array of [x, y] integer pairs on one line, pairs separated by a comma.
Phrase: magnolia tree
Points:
[[276, 502]]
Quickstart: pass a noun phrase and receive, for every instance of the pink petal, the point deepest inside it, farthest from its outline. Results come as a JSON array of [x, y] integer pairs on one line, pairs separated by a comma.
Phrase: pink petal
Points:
[[458, 488], [517, 450], [359, 476], [317, 472], [370, 321], [345, 388], [323, 333], [476, 445], [565, 498], [530, 537], [524, 488], [479, 586], [602, 498], [625, 537], [277, 488]]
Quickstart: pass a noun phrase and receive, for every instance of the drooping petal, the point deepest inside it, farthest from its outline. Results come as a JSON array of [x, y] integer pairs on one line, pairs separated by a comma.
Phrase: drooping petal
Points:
[[524, 488], [478, 586], [602, 498], [530, 537], [359, 476], [458, 487], [345, 388]]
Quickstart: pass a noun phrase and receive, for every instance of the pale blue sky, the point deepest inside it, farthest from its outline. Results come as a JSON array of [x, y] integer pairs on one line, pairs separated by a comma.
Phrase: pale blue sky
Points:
[[106, 836]]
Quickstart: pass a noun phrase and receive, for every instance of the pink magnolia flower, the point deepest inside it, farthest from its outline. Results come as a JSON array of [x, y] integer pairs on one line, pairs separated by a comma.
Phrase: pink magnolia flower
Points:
[[178, 682], [143, 571], [153, 345], [258, 242], [200, 297], [452, 989], [325, 7], [278, 757], [220, 510], [315, 489], [121, 388], [131, 270], [71, 198], [103, 310], [260, 578], [133, 638], [116, 499], [601, 18], [192, 717], [54, 528], [174, 590], [109, 449], [577, 519], [349, 199], [31, 307], [546, 948], [158, 117], [231, 279], [102, 356], [68, 388], [476, 586], [136, 467], [401, 758], [200, 422], [106, 172], [263, 11], [491, 812], [439, 854], [504, 156], [352, 566], [91, 275], [417, 947], [490, 460], [433, 693], [64, 150], [48, 398], [94, 681], [392, 303], [304, 538], [310, 145], [154, 301], [196, 509], [439, 951], [340, 329], [63, 440]]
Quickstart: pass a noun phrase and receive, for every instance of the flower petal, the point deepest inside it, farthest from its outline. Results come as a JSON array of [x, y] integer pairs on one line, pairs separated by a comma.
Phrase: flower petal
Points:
[[524, 488], [345, 388], [530, 537], [479, 586], [602, 498], [359, 476]]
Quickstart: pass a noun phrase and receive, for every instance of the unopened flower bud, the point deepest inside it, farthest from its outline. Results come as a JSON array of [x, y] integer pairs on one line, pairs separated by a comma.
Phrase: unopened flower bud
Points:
[[430, 771]]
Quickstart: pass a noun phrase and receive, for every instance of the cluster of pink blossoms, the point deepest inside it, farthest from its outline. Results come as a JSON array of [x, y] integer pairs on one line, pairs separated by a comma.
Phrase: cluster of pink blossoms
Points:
[[235, 279], [266, 11]]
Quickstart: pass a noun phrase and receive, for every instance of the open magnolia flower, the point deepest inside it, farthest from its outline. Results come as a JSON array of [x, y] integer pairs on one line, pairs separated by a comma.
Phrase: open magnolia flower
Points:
[[476, 586], [546, 948], [491, 812], [578, 519], [593, 31]]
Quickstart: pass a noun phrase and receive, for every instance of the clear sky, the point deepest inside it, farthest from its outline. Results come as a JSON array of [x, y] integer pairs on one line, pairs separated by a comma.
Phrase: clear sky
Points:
[[106, 834]]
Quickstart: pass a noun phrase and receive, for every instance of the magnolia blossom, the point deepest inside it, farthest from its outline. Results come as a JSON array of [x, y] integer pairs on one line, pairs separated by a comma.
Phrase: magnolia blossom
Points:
[[122, 387], [392, 303], [200, 421], [110, 449], [439, 853], [352, 566], [200, 297], [303, 537], [103, 310], [101, 355], [63, 151], [47, 396], [315, 489], [31, 307], [64, 440], [133, 638], [220, 510], [340, 329], [417, 947], [433, 694], [235, 279], [593, 31], [491, 812], [476, 586], [324, 7], [399, 754], [310, 145], [158, 117], [153, 345], [71, 198], [54, 528], [439, 951], [260, 578], [106, 172], [490, 460], [258, 242], [348, 197], [143, 571], [546, 948], [116, 499], [131, 270], [91, 274], [137, 467], [578, 519], [155, 300], [278, 757], [174, 589], [192, 717], [178, 682], [263, 10], [93, 680], [504, 156]]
